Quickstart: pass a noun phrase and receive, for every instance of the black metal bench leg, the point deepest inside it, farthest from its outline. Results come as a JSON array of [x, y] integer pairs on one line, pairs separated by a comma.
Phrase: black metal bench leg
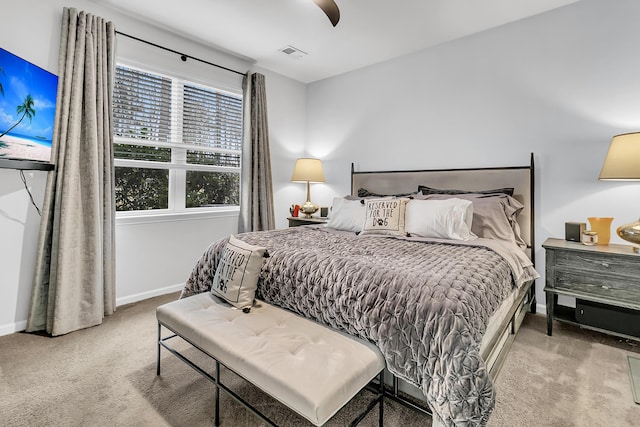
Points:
[[158, 360], [217, 422], [381, 414]]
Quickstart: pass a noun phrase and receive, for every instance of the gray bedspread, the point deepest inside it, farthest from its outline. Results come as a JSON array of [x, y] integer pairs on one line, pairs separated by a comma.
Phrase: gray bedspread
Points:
[[425, 304]]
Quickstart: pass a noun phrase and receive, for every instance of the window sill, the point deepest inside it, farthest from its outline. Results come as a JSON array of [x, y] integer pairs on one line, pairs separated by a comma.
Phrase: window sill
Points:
[[146, 218]]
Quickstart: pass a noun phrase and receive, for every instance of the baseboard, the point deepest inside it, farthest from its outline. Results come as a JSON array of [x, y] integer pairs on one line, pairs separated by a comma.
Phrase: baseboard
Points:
[[149, 294], [21, 325], [541, 309], [11, 328]]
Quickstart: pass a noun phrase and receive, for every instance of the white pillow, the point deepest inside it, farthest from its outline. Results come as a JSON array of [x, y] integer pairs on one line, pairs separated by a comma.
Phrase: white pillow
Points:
[[385, 216], [347, 215], [444, 219], [237, 274]]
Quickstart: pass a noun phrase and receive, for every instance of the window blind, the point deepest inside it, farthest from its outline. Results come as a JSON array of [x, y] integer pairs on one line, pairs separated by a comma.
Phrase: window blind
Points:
[[141, 105], [211, 118]]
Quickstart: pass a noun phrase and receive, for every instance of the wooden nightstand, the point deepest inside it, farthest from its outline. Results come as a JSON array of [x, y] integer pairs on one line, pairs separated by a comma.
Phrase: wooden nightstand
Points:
[[301, 220], [605, 280]]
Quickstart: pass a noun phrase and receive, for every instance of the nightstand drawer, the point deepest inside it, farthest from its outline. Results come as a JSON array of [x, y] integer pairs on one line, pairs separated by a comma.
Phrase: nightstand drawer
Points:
[[622, 266], [601, 286]]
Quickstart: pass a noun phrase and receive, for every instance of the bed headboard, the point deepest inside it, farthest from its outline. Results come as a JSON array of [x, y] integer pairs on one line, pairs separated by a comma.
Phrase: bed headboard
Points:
[[521, 178]]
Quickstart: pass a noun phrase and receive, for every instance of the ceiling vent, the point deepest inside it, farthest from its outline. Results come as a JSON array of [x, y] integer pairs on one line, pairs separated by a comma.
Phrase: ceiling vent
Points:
[[293, 52]]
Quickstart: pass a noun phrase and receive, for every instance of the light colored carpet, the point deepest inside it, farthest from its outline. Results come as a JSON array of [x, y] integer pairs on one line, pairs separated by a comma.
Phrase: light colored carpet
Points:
[[574, 378], [106, 376]]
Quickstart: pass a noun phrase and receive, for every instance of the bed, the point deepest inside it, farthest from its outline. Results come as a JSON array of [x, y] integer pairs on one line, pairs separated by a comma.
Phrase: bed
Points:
[[442, 308]]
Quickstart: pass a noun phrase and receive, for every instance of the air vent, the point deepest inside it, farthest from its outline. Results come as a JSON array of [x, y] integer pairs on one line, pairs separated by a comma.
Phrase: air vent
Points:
[[293, 52]]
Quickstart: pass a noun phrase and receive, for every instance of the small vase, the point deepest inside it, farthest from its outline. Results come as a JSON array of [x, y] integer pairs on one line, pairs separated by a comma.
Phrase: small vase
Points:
[[601, 225]]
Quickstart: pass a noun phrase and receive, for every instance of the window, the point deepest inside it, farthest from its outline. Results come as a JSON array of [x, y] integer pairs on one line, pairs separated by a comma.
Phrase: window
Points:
[[177, 145]]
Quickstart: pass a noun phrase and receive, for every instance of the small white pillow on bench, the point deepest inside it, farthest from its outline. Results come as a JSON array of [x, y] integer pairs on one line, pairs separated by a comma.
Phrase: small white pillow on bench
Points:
[[238, 272]]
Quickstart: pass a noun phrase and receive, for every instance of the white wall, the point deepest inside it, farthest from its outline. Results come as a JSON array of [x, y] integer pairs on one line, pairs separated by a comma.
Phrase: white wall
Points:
[[560, 84], [19, 224], [287, 125], [151, 257]]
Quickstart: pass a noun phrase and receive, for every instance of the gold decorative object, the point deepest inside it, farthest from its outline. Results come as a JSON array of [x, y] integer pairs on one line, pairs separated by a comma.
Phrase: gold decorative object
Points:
[[631, 233], [623, 164], [308, 170]]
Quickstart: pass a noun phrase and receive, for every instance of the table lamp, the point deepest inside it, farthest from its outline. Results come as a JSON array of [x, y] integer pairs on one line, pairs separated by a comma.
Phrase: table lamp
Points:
[[308, 170], [623, 164]]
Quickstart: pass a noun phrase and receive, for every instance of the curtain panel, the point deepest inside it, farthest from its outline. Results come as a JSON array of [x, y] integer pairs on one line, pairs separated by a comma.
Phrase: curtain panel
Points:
[[256, 200], [74, 283]]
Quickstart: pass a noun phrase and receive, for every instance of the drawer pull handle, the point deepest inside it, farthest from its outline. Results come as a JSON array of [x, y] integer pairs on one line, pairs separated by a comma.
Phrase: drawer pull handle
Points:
[[604, 264], [605, 287]]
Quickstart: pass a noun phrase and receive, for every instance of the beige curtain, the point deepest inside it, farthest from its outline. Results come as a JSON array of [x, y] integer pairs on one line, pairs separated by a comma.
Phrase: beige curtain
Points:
[[256, 204], [74, 280]]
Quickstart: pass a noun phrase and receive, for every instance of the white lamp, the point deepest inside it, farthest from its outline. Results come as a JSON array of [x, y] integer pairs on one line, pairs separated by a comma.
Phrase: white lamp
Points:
[[308, 170], [623, 164]]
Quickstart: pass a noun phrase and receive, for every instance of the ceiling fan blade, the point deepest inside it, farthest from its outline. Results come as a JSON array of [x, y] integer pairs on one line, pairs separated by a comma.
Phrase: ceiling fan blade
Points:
[[330, 8]]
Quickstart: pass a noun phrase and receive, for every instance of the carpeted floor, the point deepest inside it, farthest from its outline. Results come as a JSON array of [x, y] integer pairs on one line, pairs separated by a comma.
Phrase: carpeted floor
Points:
[[106, 376]]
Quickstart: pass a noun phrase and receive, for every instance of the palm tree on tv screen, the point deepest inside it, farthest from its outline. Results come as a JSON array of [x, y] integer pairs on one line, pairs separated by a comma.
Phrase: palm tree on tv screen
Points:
[[26, 109], [1, 87]]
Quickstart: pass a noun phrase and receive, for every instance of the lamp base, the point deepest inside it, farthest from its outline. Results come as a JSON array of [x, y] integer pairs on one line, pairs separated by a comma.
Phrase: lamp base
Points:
[[631, 233], [309, 208]]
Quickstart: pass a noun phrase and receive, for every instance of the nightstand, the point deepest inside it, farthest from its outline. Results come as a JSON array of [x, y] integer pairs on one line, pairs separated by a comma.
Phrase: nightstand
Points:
[[605, 280], [301, 220]]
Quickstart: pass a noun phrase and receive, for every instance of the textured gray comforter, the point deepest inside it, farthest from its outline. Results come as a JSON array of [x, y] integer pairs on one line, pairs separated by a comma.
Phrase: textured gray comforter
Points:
[[425, 304]]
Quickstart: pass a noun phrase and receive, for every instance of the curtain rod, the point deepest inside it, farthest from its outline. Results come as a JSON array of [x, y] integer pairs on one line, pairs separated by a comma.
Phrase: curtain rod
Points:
[[183, 56]]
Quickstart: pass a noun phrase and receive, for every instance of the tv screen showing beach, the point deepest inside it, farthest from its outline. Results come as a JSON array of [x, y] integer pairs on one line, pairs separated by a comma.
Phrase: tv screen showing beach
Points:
[[27, 109]]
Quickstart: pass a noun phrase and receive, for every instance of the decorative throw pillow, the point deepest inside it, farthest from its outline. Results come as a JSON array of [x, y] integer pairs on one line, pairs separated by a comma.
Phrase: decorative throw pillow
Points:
[[237, 274], [428, 190], [444, 219], [347, 215], [385, 216]]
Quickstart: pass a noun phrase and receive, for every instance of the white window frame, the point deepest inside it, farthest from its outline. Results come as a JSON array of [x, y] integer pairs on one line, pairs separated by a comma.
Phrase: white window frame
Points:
[[178, 166]]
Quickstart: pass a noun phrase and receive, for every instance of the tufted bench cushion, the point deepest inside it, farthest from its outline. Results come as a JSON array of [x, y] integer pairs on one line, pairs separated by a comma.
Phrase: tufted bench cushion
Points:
[[311, 368]]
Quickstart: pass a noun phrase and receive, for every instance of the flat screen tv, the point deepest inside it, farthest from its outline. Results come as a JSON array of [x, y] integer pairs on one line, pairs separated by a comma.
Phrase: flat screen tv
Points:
[[27, 109]]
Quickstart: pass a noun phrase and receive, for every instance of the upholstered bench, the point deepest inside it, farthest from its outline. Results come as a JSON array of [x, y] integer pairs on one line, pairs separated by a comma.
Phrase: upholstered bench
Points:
[[312, 369]]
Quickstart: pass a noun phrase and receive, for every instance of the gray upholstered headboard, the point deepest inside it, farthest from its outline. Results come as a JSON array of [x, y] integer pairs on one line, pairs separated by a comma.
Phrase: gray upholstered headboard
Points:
[[521, 178]]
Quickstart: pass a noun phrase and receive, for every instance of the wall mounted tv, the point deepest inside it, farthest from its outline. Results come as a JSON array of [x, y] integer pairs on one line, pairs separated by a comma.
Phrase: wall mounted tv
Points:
[[27, 113]]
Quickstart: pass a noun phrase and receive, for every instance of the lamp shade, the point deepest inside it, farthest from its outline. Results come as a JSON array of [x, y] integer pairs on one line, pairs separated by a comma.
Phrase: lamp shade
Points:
[[308, 170], [623, 158]]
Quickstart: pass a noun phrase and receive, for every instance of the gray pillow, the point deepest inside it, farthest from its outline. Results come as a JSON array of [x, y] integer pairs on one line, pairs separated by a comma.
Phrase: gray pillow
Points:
[[363, 192], [428, 190], [494, 215]]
